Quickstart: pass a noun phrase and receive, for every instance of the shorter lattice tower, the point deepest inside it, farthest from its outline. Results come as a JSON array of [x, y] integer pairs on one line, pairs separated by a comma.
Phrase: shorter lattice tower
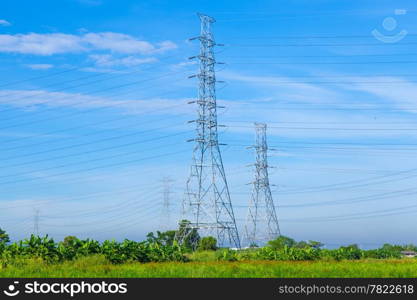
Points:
[[36, 222], [262, 222], [165, 221]]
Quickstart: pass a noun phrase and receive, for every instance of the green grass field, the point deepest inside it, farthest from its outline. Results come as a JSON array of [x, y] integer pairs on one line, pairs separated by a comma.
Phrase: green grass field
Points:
[[97, 266]]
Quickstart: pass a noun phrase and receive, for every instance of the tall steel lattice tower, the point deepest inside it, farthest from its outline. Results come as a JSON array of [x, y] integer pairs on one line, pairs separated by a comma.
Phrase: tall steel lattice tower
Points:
[[262, 222], [207, 203]]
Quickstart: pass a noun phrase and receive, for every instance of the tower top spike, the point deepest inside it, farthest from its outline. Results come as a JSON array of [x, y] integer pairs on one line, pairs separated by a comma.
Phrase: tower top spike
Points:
[[204, 17]]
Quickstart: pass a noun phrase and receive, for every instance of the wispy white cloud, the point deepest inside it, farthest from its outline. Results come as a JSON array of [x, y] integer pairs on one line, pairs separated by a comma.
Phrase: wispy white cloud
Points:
[[387, 91], [397, 91], [289, 100], [59, 43], [31, 100], [40, 66], [4, 23], [183, 65], [123, 43], [41, 44], [285, 88], [108, 60]]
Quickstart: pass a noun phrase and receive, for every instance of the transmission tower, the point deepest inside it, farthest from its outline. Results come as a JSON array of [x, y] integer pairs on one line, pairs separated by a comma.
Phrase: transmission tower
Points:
[[166, 203], [207, 203], [262, 222], [36, 222]]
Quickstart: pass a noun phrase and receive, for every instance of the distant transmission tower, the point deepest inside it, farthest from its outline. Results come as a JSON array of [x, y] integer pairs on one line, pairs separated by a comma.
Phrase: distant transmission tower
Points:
[[166, 203], [207, 200], [36, 222], [262, 222]]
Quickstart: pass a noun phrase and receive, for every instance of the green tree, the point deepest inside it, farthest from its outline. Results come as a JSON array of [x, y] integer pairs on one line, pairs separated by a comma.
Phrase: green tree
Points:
[[281, 242], [4, 237], [315, 244], [163, 238], [390, 247], [207, 243], [302, 244], [410, 247], [69, 240], [352, 246]]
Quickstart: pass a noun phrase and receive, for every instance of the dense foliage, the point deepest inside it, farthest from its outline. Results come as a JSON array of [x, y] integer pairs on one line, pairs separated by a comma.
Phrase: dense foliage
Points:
[[284, 248], [4, 237], [116, 252], [163, 247], [207, 243]]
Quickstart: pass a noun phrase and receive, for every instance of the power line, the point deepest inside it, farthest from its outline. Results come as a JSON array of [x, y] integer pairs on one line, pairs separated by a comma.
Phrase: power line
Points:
[[244, 143], [118, 226], [354, 183], [298, 106], [39, 77], [83, 83], [80, 163], [125, 190], [355, 218], [88, 134], [322, 45], [139, 219], [322, 56], [322, 63], [351, 184], [331, 128], [361, 199], [327, 122], [271, 15], [92, 169], [324, 220], [117, 216], [112, 138], [82, 181], [115, 104], [59, 83], [333, 170], [384, 212], [350, 149], [327, 36], [87, 212], [91, 124], [93, 151], [338, 150]]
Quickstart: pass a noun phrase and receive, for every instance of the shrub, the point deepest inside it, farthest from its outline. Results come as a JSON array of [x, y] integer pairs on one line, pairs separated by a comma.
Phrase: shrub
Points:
[[4, 237], [382, 253], [281, 242], [207, 243], [288, 253], [71, 248], [226, 255], [349, 252]]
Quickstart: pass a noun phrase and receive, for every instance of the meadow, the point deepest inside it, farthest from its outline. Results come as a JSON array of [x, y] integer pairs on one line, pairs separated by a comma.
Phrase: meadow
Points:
[[98, 266]]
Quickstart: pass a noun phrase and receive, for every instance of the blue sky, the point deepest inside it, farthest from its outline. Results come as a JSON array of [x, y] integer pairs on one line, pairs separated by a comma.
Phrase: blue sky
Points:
[[93, 99]]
